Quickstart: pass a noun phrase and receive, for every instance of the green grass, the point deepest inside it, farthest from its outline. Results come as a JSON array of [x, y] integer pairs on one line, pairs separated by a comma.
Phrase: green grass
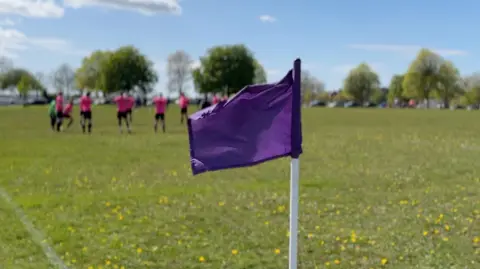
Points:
[[397, 185]]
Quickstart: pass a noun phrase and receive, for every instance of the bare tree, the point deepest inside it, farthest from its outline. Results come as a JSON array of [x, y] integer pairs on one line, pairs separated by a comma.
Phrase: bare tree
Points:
[[63, 78], [179, 71], [41, 79], [311, 87], [5, 64]]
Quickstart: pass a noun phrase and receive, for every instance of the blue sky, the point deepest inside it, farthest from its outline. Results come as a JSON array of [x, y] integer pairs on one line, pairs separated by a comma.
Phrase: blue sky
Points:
[[329, 36]]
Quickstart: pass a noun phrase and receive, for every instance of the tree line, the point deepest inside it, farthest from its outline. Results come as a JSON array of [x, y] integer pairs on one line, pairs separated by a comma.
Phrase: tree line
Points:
[[227, 69], [224, 70]]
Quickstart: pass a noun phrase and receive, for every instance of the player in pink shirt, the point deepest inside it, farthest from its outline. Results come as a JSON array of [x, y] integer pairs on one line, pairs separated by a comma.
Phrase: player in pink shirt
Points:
[[183, 102], [59, 110], [122, 106], [215, 99], [160, 103], [131, 104], [86, 112], [225, 98], [67, 112]]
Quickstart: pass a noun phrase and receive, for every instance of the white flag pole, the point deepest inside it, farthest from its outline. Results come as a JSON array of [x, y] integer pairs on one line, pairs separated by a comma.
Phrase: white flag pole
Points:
[[295, 165], [292, 249]]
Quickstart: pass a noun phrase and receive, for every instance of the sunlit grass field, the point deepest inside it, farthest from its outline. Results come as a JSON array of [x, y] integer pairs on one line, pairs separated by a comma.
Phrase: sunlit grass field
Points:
[[379, 189]]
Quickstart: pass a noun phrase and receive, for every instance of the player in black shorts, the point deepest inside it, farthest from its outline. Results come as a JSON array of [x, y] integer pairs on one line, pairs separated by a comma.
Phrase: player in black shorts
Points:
[[183, 102], [86, 112], [122, 107]]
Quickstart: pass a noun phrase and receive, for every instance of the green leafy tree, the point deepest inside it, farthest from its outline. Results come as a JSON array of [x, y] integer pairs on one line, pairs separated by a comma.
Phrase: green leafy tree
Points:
[[11, 78], [225, 69], [127, 69], [260, 74], [471, 86], [342, 96], [449, 83], [87, 76], [380, 96], [24, 86], [395, 89], [422, 77], [361, 83]]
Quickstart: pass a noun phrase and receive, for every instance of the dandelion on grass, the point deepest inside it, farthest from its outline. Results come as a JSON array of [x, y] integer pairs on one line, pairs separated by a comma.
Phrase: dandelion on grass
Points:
[[234, 251], [337, 262], [277, 251], [201, 259], [384, 261], [139, 250]]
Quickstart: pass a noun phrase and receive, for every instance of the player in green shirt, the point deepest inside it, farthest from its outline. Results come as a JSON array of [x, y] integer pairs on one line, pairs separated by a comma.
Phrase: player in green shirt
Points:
[[53, 114]]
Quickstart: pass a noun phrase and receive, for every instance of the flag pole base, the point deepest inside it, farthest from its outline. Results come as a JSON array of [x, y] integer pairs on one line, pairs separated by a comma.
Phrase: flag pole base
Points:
[[293, 238]]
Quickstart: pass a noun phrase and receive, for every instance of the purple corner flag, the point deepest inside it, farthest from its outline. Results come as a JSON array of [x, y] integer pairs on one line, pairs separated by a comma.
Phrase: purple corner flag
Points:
[[260, 123]]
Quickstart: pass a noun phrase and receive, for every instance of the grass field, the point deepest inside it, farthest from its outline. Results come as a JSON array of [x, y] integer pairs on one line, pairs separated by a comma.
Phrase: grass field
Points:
[[379, 189]]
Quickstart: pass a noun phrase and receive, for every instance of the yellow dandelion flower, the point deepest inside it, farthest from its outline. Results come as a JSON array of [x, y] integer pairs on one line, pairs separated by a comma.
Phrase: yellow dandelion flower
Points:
[[447, 228], [476, 239], [337, 238], [342, 248], [336, 262], [122, 267], [384, 261], [139, 250], [108, 204], [310, 236], [327, 263], [445, 239], [90, 267], [221, 203], [425, 233], [107, 262], [201, 259], [277, 251], [234, 252], [120, 217], [317, 228], [266, 222]]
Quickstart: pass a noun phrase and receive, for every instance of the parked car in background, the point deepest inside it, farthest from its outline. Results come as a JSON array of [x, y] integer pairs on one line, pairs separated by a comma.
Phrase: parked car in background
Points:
[[351, 104], [37, 101], [316, 103]]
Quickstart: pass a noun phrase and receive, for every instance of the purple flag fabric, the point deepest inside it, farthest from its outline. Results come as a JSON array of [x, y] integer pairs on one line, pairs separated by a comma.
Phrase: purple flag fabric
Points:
[[260, 123]]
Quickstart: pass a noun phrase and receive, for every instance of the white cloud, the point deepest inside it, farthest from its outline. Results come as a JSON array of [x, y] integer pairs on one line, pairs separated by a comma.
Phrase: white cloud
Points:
[[146, 7], [12, 41], [32, 8], [7, 22], [344, 69], [268, 18], [407, 49]]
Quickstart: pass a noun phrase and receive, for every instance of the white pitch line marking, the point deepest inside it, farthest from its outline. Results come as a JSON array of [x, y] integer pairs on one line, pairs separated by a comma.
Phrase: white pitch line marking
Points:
[[36, 235]]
